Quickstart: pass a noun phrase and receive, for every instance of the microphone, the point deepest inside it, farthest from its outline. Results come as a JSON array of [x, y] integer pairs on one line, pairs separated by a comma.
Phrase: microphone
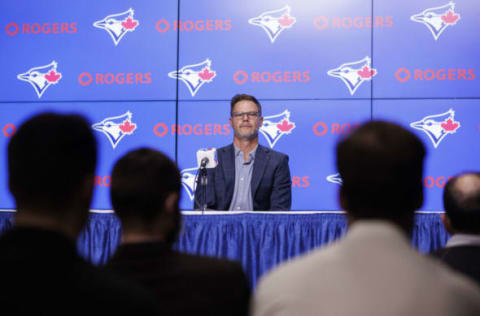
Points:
[[207, 158], [204, 162]]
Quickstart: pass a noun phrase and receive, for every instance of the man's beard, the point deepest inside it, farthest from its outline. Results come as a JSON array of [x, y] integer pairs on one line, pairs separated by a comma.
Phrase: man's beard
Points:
[[249, 136]]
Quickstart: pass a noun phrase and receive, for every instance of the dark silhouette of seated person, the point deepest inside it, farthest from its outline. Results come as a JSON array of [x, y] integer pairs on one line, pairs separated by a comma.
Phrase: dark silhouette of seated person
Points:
[[51, 164], [145, 194], [461, 200]]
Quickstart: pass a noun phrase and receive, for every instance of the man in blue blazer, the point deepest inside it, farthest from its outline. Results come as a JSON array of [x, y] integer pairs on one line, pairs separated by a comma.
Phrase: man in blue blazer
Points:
[[248, 176]]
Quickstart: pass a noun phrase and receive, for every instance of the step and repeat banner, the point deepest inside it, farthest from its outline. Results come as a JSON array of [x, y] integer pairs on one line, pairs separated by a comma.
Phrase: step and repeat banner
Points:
[[161, 74]]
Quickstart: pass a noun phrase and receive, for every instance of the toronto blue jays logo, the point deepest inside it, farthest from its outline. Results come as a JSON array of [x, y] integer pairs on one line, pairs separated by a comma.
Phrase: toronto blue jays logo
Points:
[[195, 76], [437, 19], [335, 178], [41, 77], [274, 22], [118, 25], [353, 74], [116, 127], [438, 126], [275, 126], [189, 182]]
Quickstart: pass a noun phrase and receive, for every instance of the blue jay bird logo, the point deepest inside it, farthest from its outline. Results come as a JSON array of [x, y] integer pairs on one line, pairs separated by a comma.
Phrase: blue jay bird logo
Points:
[[437, 19], [195, 76], [274, 22], [353, 74], [188, 177], [437, 126], [116, 127], [41, 77], [275, 126], [118, 25]]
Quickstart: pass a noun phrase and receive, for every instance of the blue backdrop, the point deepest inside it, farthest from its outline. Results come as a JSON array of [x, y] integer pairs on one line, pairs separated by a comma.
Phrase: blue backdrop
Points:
[[161, 74]]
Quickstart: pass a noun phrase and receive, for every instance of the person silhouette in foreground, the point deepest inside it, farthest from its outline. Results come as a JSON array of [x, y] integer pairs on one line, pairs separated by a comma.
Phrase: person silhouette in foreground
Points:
[[461, 200], [373, 270], [145, 193], [51, 165]]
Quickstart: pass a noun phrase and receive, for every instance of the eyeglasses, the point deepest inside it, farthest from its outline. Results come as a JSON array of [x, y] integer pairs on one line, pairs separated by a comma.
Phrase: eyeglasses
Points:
[[250, 115]]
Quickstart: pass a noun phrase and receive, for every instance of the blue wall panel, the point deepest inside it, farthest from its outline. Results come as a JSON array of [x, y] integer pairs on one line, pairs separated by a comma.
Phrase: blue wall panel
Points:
[[94, 63], [257, 55], [413, 64], [175, 64], [113, 143], [450, 131]]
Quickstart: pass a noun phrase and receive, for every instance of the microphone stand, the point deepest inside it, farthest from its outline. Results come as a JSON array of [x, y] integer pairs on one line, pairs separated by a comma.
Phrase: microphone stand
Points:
[[203, 183]]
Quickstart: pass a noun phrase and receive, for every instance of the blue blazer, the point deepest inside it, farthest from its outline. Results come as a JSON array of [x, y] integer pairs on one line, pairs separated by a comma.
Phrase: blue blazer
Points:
[[271, 183]]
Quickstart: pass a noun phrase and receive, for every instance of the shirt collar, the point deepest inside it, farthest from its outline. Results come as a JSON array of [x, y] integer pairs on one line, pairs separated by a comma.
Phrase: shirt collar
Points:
[[464, 240], [251, 155]]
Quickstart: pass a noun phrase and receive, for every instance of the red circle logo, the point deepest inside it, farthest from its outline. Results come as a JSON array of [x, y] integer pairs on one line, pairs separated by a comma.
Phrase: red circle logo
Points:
[[240, 77], [159, 26], [320, 132], [157, 131], [87, 81], [402, 74], [12, 29], [9, 130], [320, 22]]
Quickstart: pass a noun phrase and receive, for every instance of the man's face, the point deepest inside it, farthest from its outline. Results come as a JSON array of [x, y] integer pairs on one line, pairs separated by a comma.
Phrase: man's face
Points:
[[246, 120]]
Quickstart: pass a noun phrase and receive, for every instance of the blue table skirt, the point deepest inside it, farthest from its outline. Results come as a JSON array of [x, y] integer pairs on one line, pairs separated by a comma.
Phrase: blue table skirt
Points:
[[259, 241]]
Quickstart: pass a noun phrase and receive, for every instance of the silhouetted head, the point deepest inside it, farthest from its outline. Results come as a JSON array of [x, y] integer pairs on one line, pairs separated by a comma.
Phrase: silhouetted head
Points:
[[51, 165], [461, 200], [381, 165], [145, 193]]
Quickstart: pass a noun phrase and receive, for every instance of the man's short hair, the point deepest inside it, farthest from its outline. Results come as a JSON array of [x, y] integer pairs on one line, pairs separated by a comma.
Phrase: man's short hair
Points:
[[463, 206], [49, 158], [244, 97], [141, 182], [381, 165]]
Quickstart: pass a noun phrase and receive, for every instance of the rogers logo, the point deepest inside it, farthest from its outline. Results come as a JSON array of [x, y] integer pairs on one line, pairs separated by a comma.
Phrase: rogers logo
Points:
[[9, 130], [100, 181], [403, 74], [86, 78], [13, 28], [321, 128], [241, 76], [435, 182], [162, 129], [164, 25], [347, 22], [300, 182]]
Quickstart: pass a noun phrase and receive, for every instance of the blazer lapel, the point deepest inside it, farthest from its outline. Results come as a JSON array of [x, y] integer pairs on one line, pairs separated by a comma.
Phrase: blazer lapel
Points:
[[228, 164], [261, 160]]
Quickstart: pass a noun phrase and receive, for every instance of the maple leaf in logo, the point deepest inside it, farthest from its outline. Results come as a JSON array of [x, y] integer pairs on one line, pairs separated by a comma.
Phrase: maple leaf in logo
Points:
[[206, 74], [286, 20], [285, 126], [130, 24], [450, 17], [127, 127], [366, 73], [53, 76], [450, 126]]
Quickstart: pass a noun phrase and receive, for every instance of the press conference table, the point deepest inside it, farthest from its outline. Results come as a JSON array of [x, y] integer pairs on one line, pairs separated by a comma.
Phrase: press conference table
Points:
[[259, 240]]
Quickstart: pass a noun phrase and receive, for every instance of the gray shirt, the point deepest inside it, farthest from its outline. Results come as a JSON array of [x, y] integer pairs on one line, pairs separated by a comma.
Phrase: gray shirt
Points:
[[242, 193]]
